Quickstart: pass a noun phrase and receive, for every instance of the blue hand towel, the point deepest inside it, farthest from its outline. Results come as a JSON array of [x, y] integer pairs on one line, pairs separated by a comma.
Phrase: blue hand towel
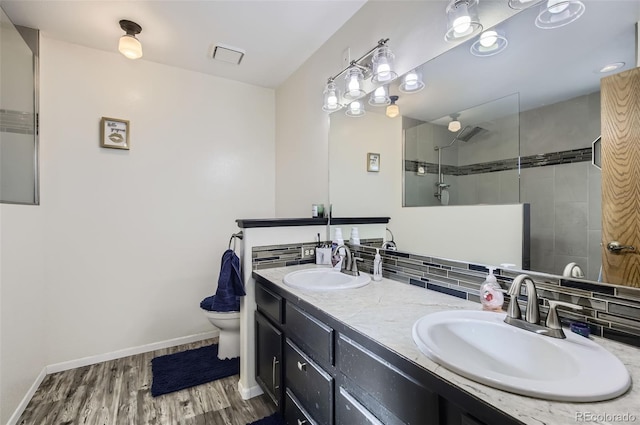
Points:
[[230, 286]]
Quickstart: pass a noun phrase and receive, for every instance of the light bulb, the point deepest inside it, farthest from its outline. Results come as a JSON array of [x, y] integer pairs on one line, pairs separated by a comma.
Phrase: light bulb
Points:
[[354, 86], [488, 38], [130, 47], [557, 6], [355, 107], [380, 95], [332, 100], [462, 24], [411, 80], [393, 110], [384, 71], [454, 126]]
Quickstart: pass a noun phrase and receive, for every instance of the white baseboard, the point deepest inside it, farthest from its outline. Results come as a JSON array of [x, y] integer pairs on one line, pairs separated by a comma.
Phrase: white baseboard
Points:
[[251, 392], [13, 420], [86, 361]]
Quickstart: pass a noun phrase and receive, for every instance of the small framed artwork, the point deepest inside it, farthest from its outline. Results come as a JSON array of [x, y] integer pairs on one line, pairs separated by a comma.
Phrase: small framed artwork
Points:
[[373, 162], [114, 133]]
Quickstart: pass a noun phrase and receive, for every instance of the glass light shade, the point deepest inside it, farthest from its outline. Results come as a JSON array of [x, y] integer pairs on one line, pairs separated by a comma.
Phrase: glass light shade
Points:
[[393, 110], [379, 97], [489, 43], [558, 13], [130, 47], [454, 126], [382, 65], [353, 83], [522, 4], [355, 109], [411, 82], [331, 97], [462, 20]]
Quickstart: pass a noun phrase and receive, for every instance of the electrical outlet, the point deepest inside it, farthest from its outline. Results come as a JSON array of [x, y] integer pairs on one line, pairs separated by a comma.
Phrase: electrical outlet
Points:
[[307, 252]]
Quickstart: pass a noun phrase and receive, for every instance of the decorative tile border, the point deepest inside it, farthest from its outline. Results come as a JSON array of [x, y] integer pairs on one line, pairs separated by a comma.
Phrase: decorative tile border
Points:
[[16, 122], [553, 158], [611, 311]]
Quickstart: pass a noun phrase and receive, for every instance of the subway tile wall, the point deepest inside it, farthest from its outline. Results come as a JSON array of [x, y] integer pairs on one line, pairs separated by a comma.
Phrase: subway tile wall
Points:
[[611, 311]]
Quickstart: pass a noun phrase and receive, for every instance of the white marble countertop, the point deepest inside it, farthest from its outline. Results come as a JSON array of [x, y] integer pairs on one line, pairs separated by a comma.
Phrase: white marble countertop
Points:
[[385, 312]]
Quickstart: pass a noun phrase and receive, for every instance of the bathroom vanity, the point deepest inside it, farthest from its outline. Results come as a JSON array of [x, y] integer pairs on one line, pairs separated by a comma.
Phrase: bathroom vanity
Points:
[[348, 357]]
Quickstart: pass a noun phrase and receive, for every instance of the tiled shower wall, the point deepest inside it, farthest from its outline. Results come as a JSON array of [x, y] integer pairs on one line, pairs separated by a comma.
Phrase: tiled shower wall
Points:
[[611, 311], [555, 177]]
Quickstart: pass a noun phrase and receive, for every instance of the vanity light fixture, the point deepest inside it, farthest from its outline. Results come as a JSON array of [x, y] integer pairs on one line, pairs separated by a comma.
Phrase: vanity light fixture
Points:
[[393, 110], [355, 109], [376, 64], [331, 97], [354, 81], [522, 4], [382, 64], [558, 13], [490, 42], [129, 45], [454, 125], [379, 97], [411, 82], [462, 20]]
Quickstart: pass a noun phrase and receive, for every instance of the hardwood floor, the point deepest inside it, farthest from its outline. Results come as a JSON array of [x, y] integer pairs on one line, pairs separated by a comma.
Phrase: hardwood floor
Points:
[[118, 392]]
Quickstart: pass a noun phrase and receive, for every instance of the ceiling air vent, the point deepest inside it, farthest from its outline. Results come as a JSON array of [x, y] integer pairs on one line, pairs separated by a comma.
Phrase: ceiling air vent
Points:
[[228, 54]]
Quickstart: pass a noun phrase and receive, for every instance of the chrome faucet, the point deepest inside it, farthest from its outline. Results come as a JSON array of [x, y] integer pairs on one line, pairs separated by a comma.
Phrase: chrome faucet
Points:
[[390, 245], [349, 264], [552, 328]]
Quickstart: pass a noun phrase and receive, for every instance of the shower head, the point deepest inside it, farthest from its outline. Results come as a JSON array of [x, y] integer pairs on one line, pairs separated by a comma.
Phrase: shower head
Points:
[[468, 132]]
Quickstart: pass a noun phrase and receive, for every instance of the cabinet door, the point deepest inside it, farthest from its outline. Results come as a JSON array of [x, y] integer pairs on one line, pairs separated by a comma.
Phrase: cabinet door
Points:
[[269, 358], [350, 412]]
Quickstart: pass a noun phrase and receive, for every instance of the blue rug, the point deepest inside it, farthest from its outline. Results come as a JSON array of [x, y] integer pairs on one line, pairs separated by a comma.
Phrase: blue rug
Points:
[[178, 371], [274, 419]]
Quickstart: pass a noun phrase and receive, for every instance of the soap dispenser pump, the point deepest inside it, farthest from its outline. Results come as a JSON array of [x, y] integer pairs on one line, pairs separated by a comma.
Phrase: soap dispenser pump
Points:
[[377, 266], [491, 295]]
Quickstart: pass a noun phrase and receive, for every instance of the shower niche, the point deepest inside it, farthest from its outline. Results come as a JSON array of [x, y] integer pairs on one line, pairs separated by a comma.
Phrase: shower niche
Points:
[[474, 161]]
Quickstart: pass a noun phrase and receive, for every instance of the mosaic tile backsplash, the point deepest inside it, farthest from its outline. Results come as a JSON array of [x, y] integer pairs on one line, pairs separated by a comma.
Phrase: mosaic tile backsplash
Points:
[[611, 311]]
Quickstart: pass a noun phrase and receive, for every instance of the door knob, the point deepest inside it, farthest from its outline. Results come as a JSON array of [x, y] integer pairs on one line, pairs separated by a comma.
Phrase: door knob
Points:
[[616, 247]]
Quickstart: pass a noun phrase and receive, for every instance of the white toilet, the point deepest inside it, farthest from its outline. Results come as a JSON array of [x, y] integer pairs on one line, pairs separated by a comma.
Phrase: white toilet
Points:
[[229, 324]]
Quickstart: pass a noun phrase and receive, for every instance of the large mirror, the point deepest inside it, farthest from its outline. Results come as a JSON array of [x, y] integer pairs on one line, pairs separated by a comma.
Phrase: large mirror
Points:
[[553, 76]]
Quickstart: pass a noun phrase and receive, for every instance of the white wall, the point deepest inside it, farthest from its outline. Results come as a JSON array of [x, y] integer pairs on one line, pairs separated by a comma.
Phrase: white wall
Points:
[[416, 32], [125, 244]]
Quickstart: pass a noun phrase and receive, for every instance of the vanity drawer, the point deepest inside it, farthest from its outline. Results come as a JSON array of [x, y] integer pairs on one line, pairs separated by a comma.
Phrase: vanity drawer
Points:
[[350, 412], [309, 331], [309, 383], [269, 303], [396, 391], [294, 413]]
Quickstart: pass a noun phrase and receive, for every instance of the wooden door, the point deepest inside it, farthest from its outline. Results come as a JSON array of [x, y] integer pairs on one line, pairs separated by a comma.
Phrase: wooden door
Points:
[[620, 119]]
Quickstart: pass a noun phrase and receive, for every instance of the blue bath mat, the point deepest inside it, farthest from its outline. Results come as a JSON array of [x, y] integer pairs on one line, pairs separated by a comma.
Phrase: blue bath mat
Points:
[[274, 419], [185, 369]]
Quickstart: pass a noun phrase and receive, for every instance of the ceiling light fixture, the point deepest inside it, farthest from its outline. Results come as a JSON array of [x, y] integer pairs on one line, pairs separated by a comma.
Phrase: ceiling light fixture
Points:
[[331, 96], [379, 97], [355, 109], [490, 42], [376, 64], [129, 45], [411, 82], [454, 124], [558, 13], [611, 67], [522, 4], [393, 110], [462, 20]]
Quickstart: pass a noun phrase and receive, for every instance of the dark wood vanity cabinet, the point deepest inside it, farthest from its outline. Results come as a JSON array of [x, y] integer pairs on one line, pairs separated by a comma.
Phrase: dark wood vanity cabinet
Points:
[[319, 371]]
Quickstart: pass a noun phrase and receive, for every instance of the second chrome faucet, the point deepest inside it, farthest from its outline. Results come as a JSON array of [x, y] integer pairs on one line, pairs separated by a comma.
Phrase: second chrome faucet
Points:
[[531, 322]]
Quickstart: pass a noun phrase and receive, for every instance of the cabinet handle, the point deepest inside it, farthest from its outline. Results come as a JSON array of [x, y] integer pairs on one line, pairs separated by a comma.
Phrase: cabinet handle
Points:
[[302, 366], [303, 421], [273, 372]]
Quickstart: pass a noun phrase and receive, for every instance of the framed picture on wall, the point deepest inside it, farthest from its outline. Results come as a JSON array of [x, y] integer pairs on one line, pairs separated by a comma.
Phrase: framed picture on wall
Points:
[[373, 162], [114, 133]]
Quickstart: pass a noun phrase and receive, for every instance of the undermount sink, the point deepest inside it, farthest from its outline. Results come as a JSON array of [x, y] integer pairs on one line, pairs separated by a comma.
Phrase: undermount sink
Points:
[[481, 347], [324, 279]]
